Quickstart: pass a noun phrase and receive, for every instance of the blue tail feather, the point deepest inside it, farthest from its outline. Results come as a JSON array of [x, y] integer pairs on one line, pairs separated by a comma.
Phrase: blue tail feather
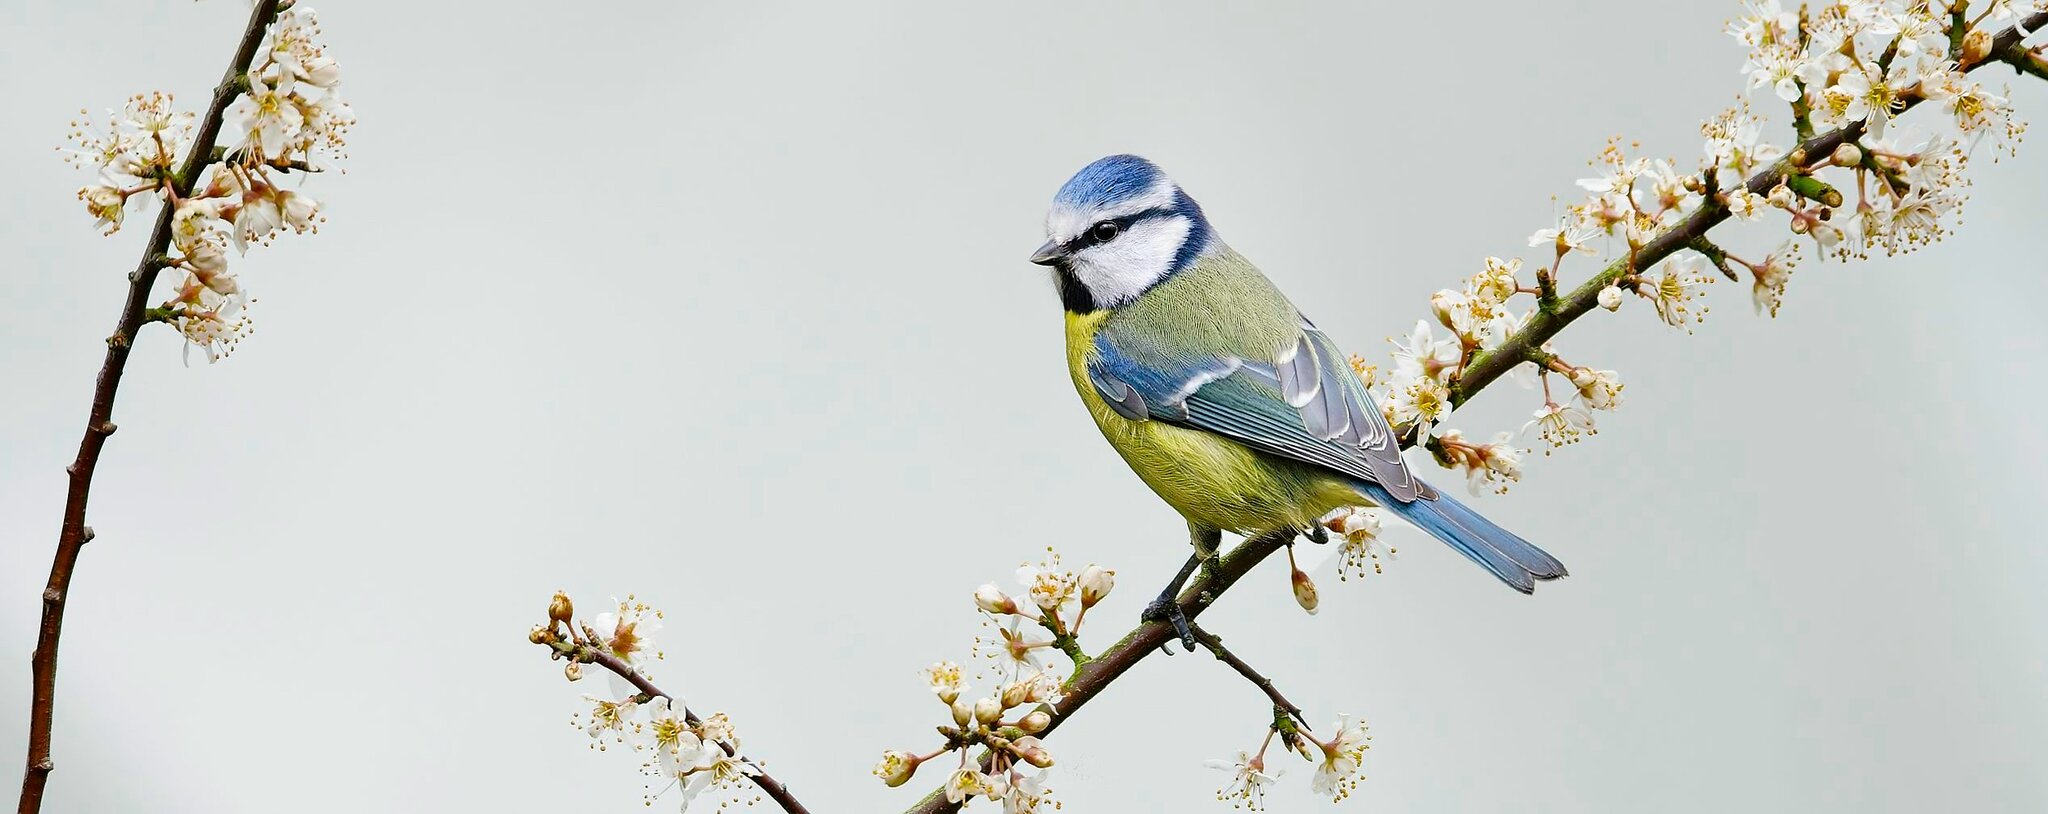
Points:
[[1498, 550]]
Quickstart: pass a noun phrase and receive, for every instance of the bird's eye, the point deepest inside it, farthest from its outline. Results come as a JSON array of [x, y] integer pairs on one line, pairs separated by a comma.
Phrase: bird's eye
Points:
[[1105, 231]]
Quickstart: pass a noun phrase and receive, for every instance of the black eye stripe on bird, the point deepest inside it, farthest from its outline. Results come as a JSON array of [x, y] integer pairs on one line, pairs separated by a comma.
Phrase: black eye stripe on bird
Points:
[[1088, 237], [1238, 412]]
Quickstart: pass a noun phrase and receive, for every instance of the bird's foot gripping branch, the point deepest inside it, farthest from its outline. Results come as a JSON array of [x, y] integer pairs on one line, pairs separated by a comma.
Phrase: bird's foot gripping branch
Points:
[[1885, 112]]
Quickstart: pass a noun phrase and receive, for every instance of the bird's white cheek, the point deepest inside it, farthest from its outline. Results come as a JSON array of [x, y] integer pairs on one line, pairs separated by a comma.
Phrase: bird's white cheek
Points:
[[1118, 271]]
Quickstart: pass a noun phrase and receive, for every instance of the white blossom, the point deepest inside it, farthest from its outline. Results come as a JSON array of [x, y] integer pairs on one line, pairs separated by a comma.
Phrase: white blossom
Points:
[[1343, 755], [1248, 781]]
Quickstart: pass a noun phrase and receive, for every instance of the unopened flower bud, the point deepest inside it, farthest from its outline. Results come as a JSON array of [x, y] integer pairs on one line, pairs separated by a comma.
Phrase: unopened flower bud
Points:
[[1976, 46], [987, 711], [573, 671], [990, 598], [1096, 583], [1016, 693], [963, 712], [896, 767], [1035, 722], [1032, 752], [1440, 303], [1305, 747], [1847, 155], [1610, 298], [1780, 196], [560, 609], [1304, 592], [539, 635], [320, 71]]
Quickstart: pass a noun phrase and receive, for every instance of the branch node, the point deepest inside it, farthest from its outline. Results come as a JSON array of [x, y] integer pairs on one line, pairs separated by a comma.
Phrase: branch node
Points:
[[1714, 254], [1814, 189]]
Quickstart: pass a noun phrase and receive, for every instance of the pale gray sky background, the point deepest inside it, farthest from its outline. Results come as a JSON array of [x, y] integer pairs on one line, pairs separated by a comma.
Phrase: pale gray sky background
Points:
[[726, 304]]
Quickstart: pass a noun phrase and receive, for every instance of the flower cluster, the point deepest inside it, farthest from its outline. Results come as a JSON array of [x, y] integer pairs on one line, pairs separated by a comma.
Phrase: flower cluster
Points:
[[1339, 761], [1862, 63], [1006, 722], [679, 750], [290, 115], [1852, 65]]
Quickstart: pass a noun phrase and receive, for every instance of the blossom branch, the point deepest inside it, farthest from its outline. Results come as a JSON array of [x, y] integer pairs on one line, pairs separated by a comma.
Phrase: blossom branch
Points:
[[73, 534], [692, 752], [1526, 343], [582, 651], [1545, 322]]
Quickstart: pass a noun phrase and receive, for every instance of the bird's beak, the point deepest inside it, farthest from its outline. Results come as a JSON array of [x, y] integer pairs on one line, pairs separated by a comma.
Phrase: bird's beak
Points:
[[1048, 254]]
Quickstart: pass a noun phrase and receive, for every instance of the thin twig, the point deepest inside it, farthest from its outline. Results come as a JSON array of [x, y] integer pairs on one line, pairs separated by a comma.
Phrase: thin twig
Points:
[[1203, 591], [1223, 654], [73, 533], [588, 654]]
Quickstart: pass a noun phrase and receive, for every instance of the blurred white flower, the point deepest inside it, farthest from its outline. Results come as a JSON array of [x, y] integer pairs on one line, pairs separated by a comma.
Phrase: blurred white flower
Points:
[[628, 631], [1343, 755], [1559, 425], [265, 117], [1565, 239], [608, 716], [945, 680], [1248, 781]]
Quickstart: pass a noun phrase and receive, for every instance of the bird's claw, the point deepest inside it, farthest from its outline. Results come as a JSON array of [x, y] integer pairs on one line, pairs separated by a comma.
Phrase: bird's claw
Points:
[[1164, 609]]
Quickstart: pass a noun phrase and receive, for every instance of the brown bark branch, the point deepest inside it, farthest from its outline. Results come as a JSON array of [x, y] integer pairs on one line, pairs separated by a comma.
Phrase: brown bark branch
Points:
[[1215, 646], [588, 654], [73, 533], [1545, 323]]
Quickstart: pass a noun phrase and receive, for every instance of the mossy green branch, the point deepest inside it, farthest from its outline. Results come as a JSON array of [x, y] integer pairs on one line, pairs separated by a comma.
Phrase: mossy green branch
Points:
[[1814, 189], [2022, 59]]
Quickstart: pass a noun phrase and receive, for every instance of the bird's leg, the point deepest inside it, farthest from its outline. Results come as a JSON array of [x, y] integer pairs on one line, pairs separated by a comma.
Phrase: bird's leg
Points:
[[1167, 607]]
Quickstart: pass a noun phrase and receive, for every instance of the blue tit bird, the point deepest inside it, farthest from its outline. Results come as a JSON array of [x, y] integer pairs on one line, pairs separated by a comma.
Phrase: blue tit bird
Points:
[[1218, 393]]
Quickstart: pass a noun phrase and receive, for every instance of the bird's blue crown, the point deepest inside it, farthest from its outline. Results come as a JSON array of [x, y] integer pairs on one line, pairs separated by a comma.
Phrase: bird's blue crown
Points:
[[1110, 181]]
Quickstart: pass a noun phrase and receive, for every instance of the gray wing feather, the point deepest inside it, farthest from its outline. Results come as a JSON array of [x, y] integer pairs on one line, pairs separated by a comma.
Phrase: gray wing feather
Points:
[[1122, 397], [1358, 423], [1300, 376]]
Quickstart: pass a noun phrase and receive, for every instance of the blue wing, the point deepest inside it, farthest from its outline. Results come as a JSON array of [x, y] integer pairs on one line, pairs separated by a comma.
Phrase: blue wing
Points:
[[1305, 404]]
